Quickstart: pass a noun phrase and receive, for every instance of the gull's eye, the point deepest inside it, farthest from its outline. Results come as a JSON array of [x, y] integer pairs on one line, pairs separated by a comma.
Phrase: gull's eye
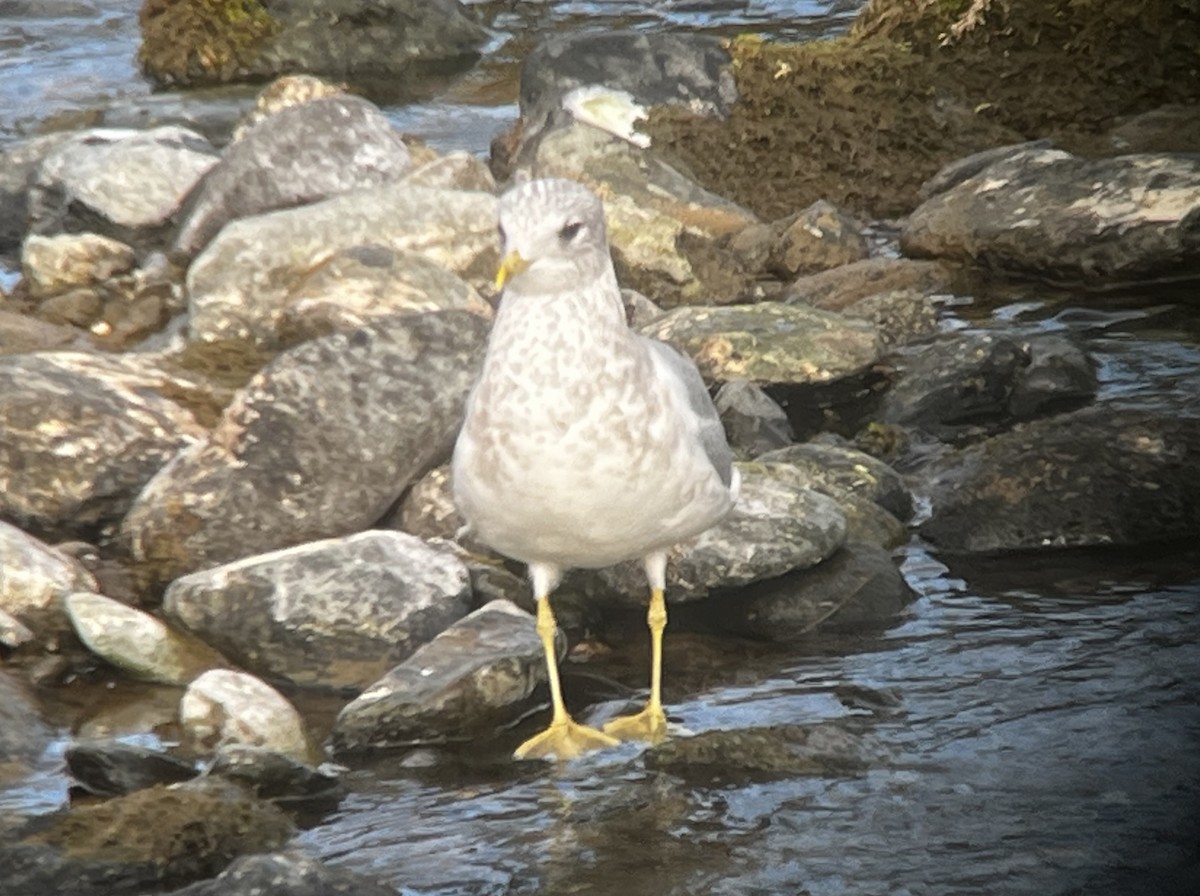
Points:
[[570, 231]]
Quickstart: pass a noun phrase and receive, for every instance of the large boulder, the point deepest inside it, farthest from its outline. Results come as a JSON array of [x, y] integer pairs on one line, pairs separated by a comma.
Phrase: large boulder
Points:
[[1092, 222], [320, 443], [335, 613]]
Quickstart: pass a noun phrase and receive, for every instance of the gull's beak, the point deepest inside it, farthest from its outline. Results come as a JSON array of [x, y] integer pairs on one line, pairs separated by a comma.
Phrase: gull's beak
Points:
[[511, 265]]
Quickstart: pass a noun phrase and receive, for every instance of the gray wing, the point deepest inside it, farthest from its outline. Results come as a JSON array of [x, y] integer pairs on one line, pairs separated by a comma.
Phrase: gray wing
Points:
[[712, 433]]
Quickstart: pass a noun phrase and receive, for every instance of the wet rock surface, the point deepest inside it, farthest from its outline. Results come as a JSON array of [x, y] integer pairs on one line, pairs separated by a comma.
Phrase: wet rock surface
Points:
[[285, 874], [783, 752], [113, 768]]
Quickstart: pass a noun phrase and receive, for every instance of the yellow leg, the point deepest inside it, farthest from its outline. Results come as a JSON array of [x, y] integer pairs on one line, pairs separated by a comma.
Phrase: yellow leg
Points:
[[565, 738], [651, 723]]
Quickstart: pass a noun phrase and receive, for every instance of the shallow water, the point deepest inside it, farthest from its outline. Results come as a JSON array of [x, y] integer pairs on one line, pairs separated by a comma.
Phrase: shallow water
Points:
[[1032, 722]]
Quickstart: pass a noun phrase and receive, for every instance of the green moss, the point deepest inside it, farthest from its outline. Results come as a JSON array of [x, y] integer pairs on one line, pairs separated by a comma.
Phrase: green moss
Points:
[[202, 41]]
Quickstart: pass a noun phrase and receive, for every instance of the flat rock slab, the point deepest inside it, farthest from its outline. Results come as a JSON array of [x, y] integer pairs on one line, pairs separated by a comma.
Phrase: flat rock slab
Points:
[[1101, 476], [80, 435], [770, 343], [240, 284], [470, 679], [778, 751], [1092, 222], [333, 613], [319, 444]]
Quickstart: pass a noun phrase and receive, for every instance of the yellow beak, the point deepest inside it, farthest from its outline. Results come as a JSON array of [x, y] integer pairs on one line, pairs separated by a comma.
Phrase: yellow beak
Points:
[[511, 265]]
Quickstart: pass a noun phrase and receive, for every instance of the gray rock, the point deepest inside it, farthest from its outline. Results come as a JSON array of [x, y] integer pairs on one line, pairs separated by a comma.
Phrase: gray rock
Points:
[[334, 613], [775, 527], [227, 707], [112, 767], [837, 289], [19, 163], [1101, 476], [859, 586], [390, 40], [144, 841], [473, 677], [962, 380], [754, 422], [818, 238], [300, 154], [22, 334], [1092, 222], [778, 751], [838, 470], [274, 776], [459, 170], [55, 264], [23, 732], [35, 580], [123, 184], [136, 642], [319, 444], [658, 68], [428, 510], [901, 316], [770, 342], [288, 873], [1174, 127], [953, 174], [80, 435], [241, 282], [666, 231]]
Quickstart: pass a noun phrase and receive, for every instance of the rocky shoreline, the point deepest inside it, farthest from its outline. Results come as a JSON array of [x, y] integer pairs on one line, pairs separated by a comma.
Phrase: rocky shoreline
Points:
[[231, 376]]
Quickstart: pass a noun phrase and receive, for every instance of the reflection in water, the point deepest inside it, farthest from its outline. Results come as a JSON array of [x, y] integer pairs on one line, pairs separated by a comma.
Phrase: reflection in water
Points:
[[1046, 738]]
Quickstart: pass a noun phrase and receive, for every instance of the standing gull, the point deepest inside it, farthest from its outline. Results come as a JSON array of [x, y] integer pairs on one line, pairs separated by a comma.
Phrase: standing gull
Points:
[[584, 444]]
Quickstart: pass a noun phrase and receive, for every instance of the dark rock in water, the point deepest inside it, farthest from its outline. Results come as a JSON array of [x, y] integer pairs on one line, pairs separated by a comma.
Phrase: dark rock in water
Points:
[[333, 613], [195, 43], [298, 155], [779, 751], [658, 68], [288, 873], [859, 586], [469, 680], [112, 768], [275, 473], [23, 733], [836, 470], [1091, 222], [154, 838], [1102, 476], [122, 184], [754, 422], [959, 381], [79, 436], [271, 775]]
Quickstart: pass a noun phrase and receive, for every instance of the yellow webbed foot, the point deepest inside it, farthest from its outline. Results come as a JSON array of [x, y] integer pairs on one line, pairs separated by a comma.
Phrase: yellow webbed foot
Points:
[[564, 740], [649, 725]]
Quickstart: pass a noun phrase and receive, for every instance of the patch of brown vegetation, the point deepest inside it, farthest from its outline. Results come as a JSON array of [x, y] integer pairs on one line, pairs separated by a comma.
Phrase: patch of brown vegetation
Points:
[[201, 41], [863, 120]]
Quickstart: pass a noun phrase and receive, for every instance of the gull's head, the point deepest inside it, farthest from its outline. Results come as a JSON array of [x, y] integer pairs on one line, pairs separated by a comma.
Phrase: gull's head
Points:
[[551, 233]]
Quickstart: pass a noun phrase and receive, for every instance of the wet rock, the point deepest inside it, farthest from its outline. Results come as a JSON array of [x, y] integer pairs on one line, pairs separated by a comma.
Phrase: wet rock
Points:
[[817, 239], [837, 470], [770, 342], [837, 289], [55, 264], [473, 677], [658, 68], [273, 776], [666, 231], [273, 474], [241, 282], [334, 613], [136, 642], [80, 435], [123, 184], [112, 768], [364, 283], [285, 874], [901, 316], [959, 170], [24, 735], [776, 526], [754, 422], [1103, 475], [778, 751], [160, 836], [957, 381], [1092, 222], [19, 163], [223, 706], [35, 580], [298, 155], [196, 44]]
